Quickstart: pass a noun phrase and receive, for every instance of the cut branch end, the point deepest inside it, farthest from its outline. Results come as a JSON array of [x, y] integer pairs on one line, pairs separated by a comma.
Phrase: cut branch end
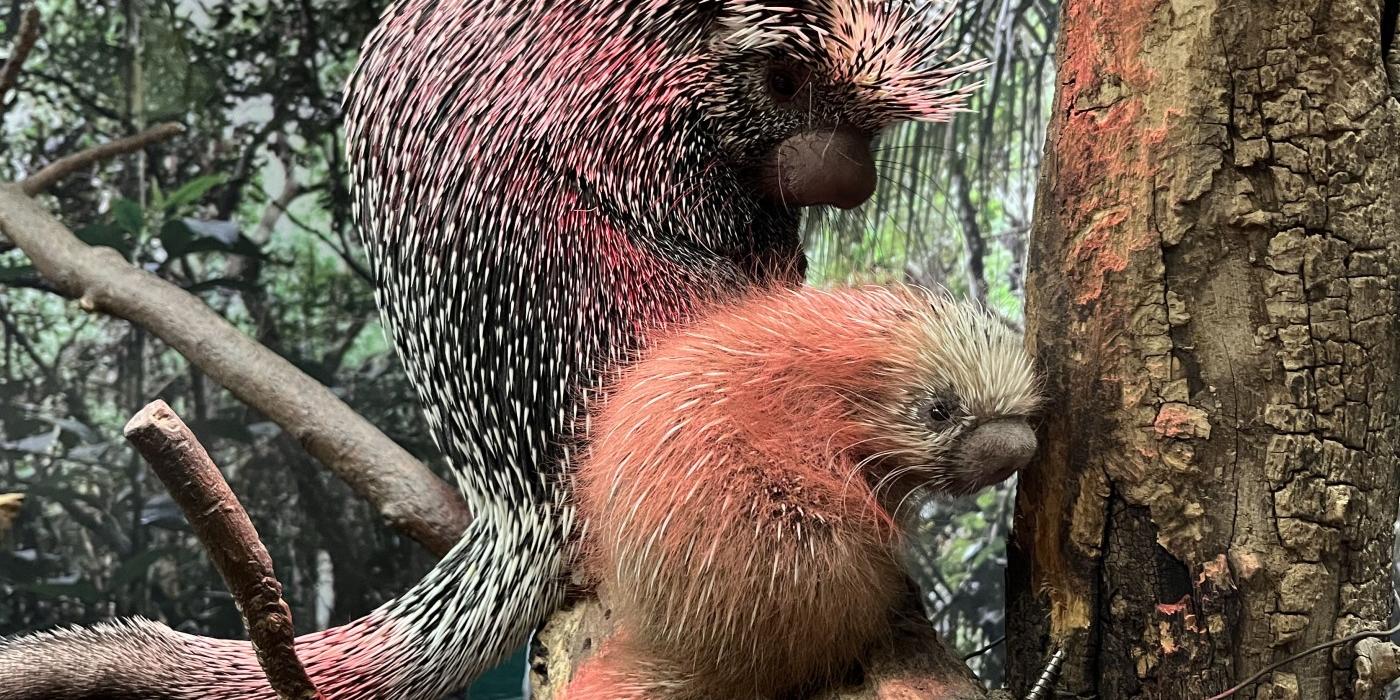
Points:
[[223, 527]]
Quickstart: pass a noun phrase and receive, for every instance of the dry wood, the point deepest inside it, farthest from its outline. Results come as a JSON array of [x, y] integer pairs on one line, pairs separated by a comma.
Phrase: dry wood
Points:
[[223, 527]]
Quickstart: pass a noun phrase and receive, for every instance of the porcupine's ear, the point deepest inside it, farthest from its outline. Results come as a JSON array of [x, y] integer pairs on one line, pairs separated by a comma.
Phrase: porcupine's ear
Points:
[[900, 54]]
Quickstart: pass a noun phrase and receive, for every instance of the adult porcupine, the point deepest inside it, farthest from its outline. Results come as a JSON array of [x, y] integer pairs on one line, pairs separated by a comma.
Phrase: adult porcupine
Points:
[[740, 481], [537, 181]]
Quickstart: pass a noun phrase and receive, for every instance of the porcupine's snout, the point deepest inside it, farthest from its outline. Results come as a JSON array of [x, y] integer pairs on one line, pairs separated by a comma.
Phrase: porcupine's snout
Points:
[[997, 449], [825, 166]]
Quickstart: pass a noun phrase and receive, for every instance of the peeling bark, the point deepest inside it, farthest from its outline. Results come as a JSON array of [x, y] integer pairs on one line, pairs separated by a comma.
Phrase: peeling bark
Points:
[[1212, 292]]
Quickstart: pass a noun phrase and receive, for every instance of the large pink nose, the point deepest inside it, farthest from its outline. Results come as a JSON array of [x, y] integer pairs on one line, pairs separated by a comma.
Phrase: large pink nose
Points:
[[829, 166]]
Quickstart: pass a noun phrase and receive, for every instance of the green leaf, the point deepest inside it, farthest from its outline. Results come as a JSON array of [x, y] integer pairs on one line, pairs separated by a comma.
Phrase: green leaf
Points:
[[235, 429], [222, 283], [157, 195], [128, 215], [39, 444], [175, 237], [80, 589], [74, 427], [184, 236], [194, 190], [115, 236]]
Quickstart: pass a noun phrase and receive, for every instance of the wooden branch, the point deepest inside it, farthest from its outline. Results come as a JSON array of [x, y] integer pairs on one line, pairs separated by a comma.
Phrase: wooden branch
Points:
[[24, 43], [409, 496], [67, 165], [223, 527]]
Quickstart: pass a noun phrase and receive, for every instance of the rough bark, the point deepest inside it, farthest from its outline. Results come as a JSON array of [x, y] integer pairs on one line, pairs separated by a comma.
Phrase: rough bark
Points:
[[1212, 292], [915, 666]]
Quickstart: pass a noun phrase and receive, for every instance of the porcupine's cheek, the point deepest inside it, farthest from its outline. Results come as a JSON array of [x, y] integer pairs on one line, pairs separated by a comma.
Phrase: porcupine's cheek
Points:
[[833, 167]]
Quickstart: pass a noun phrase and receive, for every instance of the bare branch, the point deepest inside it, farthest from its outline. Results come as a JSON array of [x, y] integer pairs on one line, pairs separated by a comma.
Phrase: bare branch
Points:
[[222, 525], [409, 496], [24, 43], [67, 165]]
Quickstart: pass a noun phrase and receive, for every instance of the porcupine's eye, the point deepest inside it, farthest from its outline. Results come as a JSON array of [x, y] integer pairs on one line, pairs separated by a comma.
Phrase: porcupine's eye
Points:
[[939, 410], [785, 80]]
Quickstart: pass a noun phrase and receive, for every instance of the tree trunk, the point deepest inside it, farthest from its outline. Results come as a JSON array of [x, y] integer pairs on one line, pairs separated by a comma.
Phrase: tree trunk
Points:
[[1212, 293]]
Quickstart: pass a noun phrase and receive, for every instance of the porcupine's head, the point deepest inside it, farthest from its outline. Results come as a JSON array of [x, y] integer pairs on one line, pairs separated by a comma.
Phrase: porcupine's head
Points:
[[797, 91], [918, 389], [952, 409], [703, 117], [907, 386]]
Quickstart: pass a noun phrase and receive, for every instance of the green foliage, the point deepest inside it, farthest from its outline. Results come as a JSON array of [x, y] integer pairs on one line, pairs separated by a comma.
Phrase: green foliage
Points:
[[97, 536], [187, 194]]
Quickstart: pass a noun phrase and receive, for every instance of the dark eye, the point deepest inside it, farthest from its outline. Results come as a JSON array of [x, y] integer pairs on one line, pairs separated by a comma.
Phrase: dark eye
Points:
[[785, 81], [939, 410]]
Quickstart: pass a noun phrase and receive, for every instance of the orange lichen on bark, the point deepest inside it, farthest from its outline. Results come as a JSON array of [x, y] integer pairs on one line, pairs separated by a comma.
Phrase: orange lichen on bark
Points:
[[1104, 38], [1107, 164], [1104, 144], [1101, 249], [1179, 420]]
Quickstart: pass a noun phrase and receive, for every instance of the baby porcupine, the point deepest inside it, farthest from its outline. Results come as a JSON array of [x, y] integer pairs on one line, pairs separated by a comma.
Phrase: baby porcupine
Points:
[[740, 484]]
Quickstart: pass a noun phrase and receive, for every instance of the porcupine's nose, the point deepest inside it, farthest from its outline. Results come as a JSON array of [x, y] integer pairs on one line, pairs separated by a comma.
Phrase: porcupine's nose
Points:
[[827, 166], [1000, 448]]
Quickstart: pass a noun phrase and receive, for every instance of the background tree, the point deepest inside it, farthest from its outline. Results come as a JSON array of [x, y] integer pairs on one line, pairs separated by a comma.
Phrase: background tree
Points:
[[1212, 289]]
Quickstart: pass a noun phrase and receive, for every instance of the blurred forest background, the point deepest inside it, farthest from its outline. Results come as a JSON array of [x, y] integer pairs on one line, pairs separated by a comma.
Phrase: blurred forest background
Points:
[[249, 211]]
